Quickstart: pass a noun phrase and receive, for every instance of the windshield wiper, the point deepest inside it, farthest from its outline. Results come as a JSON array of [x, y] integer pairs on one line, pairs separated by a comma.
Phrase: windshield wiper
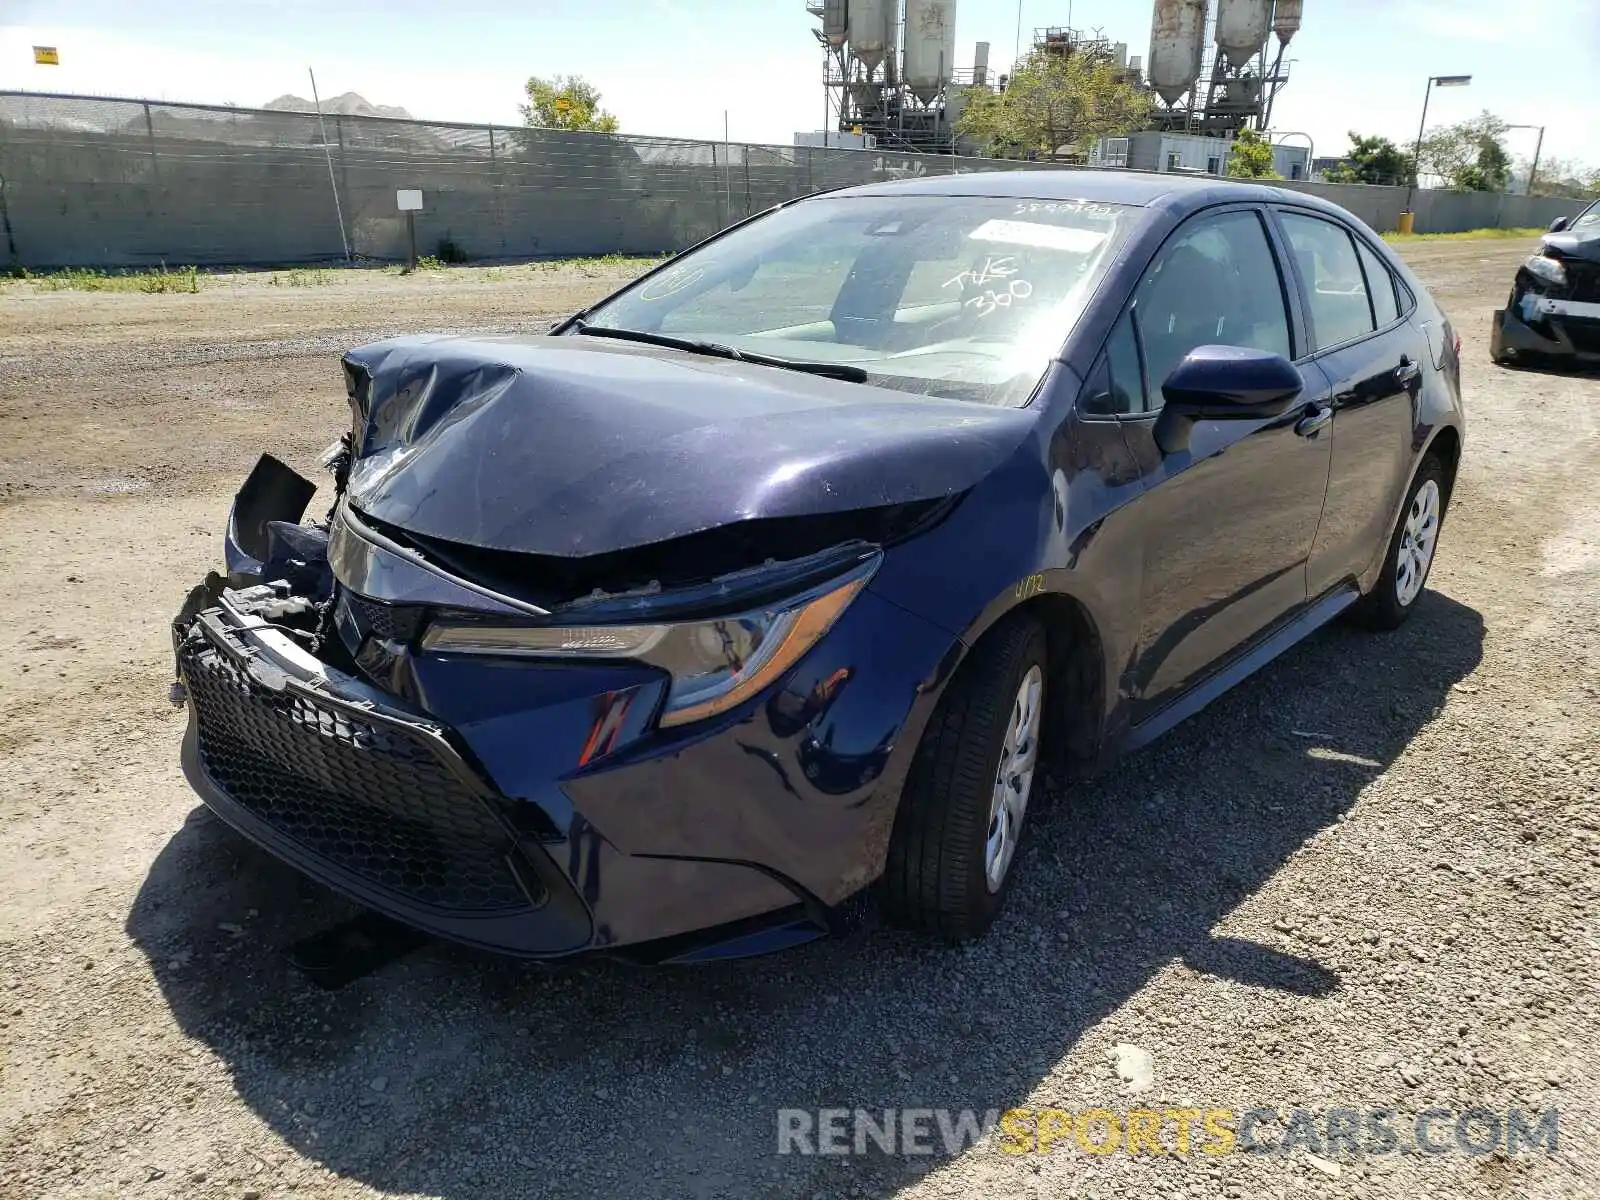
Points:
[[843, 371], [656, 339]]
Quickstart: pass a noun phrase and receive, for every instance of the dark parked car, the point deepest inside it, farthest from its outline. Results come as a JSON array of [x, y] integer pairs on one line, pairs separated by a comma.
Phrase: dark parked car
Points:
[[1554, 308], [781, 573]]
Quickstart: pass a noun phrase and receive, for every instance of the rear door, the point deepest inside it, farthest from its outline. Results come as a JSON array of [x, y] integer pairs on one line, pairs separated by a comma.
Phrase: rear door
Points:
[[1228, 523], [1374, 358]]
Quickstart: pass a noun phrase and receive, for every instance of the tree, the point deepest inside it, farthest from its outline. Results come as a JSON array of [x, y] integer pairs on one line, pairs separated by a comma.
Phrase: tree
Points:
[[1562, 177], [1469, 156], [1372, 160], [565, 102], [1051, 101], [1251, 157]]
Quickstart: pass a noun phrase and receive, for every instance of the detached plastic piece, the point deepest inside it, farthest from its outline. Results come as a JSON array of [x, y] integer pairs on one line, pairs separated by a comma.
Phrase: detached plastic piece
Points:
[[273, 492]]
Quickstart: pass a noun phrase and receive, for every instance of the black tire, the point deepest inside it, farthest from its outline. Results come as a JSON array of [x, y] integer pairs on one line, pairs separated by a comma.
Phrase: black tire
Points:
[[934, 879], [1381, 608]]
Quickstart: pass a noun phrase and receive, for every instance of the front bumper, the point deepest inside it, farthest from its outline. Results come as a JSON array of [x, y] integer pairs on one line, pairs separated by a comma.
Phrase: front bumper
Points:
[[1543, 326], [464, 810]]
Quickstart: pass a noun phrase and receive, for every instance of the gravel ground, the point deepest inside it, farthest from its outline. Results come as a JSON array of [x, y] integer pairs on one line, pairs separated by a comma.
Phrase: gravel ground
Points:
[[1367, 878]]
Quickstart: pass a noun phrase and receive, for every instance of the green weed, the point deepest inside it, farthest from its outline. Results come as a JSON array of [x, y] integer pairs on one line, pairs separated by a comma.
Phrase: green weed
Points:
[[83, 279], [300, 277], [1465, 235]]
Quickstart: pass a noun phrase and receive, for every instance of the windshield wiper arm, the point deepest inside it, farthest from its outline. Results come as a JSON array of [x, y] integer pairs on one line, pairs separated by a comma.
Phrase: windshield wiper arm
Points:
[[845, 371], [848, 372], [656, 339]]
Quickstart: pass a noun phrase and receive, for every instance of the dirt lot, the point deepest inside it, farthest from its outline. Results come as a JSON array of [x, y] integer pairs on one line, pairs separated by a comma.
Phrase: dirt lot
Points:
[[1370, 877]]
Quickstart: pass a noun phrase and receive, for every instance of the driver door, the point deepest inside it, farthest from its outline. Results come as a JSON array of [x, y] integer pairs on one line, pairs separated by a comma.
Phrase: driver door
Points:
[[1228, 523]]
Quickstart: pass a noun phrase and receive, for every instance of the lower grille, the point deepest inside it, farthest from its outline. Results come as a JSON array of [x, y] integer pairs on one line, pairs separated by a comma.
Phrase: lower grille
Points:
[[1585, 335], [366, 796], [1583, 280]]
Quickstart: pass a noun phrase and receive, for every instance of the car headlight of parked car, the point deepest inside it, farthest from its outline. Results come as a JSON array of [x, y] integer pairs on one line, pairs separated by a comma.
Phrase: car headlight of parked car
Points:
[[715, 663], [1549, 270]]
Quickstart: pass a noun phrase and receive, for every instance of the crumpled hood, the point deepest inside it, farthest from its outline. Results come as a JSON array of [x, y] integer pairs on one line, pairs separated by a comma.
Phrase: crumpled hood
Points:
[[1571, 244], [574, 446]]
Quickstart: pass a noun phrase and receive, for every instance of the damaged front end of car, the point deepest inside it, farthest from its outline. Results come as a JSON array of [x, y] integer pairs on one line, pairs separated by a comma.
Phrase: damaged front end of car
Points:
[[686, 749], [1553, 311]]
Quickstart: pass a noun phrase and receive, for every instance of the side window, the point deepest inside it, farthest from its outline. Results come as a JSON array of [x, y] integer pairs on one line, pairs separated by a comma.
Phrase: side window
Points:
[[1116, 385], [1215, 282], [1127, 373], [1335, 289], [1381, 284]]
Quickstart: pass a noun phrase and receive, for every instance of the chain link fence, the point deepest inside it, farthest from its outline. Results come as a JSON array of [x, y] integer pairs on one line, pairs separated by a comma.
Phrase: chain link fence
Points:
[[91, 182], [120, 183]]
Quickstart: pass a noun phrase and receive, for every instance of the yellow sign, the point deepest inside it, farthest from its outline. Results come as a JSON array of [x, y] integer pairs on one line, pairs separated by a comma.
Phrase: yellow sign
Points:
[[46, 56]]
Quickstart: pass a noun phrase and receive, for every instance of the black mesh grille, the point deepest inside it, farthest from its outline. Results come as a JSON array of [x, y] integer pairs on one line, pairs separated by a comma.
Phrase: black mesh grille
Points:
[[1585, 335], [395, 623], [369, 797], [1583, 280]]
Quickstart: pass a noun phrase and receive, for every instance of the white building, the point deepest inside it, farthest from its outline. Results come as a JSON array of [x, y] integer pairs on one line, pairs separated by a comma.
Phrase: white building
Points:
[[1188, 153]]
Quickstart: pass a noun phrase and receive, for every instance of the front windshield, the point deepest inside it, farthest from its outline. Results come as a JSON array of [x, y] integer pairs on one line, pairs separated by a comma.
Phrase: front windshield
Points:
[[964, 297], [1589, 216]]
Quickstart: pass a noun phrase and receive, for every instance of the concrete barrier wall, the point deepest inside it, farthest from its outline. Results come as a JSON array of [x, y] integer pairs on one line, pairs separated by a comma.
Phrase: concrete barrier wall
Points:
[[1441, 211], [119, 183]]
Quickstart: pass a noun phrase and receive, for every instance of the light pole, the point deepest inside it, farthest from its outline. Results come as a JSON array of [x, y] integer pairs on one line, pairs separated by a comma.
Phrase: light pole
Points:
[[1533, 171], [1433, 81]]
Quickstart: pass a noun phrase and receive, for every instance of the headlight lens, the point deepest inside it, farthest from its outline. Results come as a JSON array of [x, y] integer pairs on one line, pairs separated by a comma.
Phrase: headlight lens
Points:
[[1547, 269], [715, 664]]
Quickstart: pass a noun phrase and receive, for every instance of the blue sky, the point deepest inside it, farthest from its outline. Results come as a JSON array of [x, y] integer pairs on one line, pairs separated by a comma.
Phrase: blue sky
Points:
[[673, 66]]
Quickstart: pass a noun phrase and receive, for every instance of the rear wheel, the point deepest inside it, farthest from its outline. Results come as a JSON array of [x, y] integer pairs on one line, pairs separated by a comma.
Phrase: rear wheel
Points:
[[1410, 554], [964, 812]]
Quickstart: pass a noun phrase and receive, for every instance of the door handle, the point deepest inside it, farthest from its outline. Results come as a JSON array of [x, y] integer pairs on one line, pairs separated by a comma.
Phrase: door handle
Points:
[[1407, 370], [1314, 420]]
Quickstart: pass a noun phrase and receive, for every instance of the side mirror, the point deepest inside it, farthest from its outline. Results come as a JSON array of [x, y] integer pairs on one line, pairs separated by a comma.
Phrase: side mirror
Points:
[[1559, 224], [1224, 383]]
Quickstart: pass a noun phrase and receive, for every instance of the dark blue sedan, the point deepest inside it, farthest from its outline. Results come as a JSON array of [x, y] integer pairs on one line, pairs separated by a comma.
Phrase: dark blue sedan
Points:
[[778, 577]]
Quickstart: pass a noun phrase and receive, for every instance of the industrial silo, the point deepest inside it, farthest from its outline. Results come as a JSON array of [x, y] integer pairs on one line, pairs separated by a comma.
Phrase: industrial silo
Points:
[[1242, 27], [835, 22], [872, 30], [1286, 19], [1177, 39], [930, 46]]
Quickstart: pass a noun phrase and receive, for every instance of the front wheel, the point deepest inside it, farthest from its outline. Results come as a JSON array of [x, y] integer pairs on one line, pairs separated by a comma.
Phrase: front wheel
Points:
[[964, 811], [1410, 553]]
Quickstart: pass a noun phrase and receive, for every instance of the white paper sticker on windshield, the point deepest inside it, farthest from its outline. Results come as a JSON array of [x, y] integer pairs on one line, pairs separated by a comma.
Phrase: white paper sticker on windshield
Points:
[[1034, 233]]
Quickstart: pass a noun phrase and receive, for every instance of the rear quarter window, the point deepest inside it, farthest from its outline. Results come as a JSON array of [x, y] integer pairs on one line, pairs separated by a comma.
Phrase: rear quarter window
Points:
[[1381, 286]]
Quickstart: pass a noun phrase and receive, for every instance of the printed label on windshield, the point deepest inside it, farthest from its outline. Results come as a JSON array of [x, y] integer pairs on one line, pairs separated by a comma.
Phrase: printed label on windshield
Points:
[[1034, 233]]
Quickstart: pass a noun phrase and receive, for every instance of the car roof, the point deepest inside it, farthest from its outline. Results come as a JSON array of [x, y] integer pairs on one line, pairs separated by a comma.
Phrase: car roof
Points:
[[1139, 188]]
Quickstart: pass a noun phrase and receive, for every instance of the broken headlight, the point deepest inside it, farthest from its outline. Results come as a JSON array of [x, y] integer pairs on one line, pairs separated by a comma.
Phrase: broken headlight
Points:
[[1548, 270], [715, 664]]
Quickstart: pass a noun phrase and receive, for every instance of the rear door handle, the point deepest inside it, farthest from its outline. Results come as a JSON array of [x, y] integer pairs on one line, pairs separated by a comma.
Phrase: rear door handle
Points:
[[1407, 370], [1308, 425]]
